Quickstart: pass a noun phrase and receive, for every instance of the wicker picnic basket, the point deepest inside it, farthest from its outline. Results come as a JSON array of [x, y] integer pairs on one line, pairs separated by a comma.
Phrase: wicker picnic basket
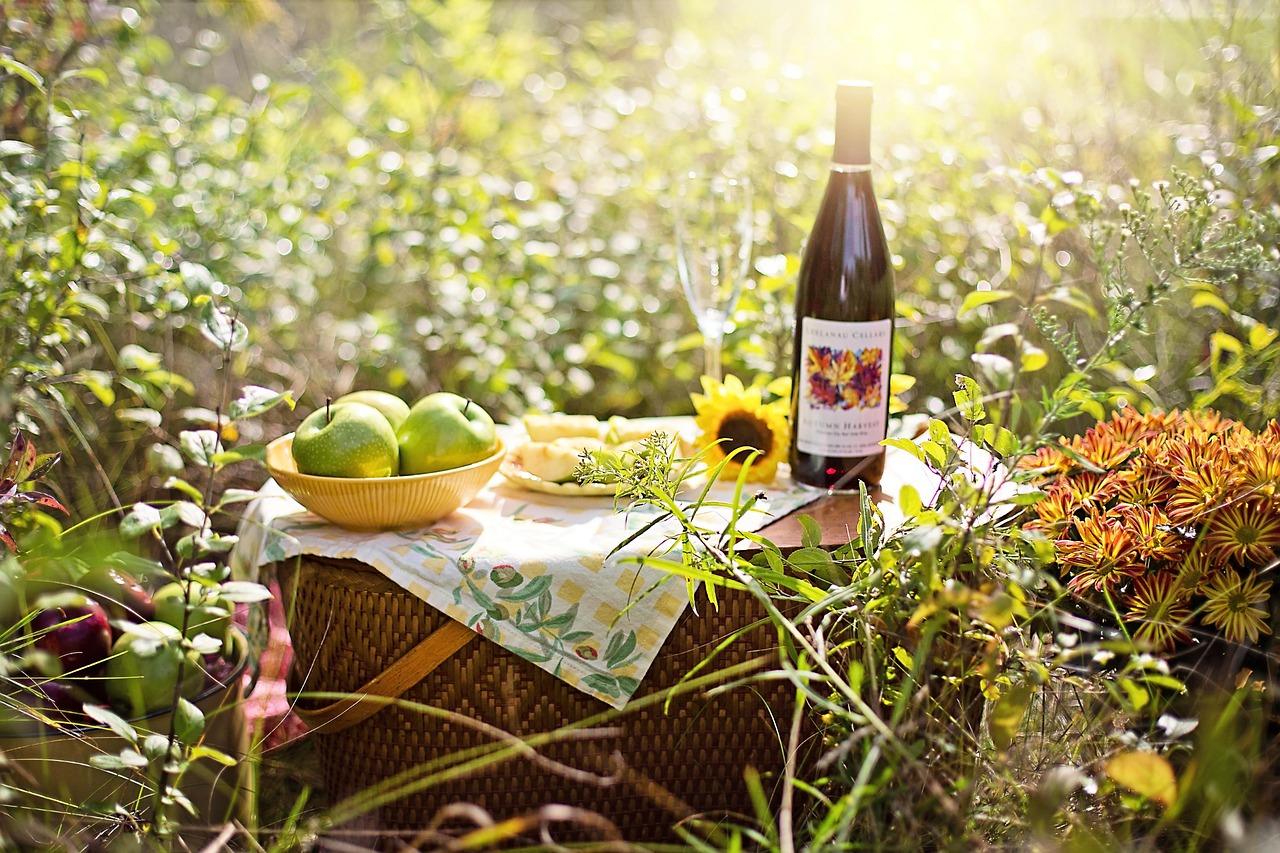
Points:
[[354, 631]]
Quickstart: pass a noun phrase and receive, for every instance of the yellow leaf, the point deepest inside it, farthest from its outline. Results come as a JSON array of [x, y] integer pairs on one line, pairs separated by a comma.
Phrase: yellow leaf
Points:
[[1006, 715], [976, 299], [1033, 358], [1261, 336], [1209, 299], [1144, 773]]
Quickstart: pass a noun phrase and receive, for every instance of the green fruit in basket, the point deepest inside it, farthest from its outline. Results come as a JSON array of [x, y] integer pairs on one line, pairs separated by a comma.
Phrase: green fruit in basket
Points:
[[445, 431], [347, 440], [392, 407], [143, 669], [210, 614]]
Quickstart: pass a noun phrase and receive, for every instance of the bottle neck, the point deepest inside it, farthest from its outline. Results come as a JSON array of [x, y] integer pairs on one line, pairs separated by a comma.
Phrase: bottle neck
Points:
[[850, 168]]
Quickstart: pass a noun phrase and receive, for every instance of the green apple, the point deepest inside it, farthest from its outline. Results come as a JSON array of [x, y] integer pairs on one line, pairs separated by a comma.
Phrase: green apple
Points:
[[445, 431], [392, 407], [210, 614], [350, 440], [143, 669]]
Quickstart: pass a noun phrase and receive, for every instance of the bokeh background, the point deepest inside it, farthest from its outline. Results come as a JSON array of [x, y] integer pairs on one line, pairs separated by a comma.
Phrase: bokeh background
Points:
[[472, 195]]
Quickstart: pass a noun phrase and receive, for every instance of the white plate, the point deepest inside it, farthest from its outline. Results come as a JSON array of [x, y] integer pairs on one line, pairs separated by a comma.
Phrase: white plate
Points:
[[681, 426], [513, 470]]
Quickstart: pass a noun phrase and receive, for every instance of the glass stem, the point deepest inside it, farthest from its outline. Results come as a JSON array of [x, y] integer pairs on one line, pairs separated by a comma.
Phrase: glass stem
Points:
[[711, 353]]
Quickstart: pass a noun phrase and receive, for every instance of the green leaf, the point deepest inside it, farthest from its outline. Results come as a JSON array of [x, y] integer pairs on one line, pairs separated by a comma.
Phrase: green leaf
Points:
[[968, 397], [810, 531], [155, 745], [26, 73], [128, 759], [134, 357], [940, 433], [12, 147], [909, 501], [147, 417], [819, 563], [200, 445], [1006, 715], [1001, 440], [141, 518], [225, 331], [243, 592], [254, 400], [183, 486], [187, 512], [1139, 698], [188, 721], [111, 720], [213, 754], [97, 75], [99, 384], [247, 453], [905, 444], [237, 496], [1144, 773], [977, 298]]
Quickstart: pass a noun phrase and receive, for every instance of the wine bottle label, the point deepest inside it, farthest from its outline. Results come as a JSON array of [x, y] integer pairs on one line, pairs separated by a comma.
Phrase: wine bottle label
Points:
[[843, 386]]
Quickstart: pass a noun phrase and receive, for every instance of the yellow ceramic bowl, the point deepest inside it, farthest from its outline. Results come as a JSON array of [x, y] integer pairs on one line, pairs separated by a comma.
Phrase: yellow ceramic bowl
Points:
[[380, 503]]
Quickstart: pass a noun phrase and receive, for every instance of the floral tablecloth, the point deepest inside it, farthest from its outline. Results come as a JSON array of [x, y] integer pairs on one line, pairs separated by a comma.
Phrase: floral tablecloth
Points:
[[525, 569]]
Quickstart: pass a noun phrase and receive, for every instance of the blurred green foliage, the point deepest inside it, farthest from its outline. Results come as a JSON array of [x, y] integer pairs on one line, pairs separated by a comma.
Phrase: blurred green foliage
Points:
[[472, 196]]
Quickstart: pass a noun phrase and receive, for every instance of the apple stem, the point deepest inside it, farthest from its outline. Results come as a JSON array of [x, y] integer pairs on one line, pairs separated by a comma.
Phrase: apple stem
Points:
[[328, 415], [467, 406]]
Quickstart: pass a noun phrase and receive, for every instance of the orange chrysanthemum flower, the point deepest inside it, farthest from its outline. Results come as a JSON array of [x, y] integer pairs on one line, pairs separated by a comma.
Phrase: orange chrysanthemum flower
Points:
[[1142, 485], [1232, 606], [1260, 469], [1103, 448], [1187, 503], [1048, 460], [1247, 532], [1055, 510], [1161, 610], [1195, 570], [1155, 538], [1104, 555]]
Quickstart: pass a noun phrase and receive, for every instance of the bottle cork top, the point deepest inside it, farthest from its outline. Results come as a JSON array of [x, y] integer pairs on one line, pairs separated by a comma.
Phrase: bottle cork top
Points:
[[853, 123]]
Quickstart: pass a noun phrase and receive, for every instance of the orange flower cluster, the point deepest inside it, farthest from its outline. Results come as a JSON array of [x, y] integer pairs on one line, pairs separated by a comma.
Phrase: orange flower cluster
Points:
[[1174, 516]]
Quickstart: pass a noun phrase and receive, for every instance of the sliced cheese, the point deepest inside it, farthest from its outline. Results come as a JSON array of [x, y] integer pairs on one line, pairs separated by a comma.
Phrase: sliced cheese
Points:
[[554, 461], [550, 427]]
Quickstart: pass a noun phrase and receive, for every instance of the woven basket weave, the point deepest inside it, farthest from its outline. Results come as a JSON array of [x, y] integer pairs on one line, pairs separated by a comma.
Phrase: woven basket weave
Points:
[[349, 624]]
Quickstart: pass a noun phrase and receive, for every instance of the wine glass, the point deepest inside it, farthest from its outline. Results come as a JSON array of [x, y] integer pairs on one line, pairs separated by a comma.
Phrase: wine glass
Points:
[[713, 252]]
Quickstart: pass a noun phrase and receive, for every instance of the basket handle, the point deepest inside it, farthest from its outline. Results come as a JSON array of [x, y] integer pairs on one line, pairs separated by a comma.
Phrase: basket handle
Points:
[[411, 668]]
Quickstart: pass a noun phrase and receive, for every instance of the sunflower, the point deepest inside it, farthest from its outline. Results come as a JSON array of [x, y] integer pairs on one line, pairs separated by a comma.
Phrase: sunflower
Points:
[[732, 417], [1231, 605]]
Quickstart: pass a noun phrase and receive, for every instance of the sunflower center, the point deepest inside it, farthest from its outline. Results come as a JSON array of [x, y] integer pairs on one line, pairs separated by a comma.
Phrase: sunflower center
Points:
[[742, 429]]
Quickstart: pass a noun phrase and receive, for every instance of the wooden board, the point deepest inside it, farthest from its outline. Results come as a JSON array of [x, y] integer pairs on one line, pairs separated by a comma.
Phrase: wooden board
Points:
[[837, 515]]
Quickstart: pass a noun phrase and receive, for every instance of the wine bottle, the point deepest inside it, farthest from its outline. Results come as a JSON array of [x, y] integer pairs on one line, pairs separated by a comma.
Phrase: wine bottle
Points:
[[844, 319]]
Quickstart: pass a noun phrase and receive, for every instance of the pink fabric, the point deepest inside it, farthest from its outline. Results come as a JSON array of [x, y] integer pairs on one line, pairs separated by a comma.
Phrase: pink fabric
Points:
[[267, 709]]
